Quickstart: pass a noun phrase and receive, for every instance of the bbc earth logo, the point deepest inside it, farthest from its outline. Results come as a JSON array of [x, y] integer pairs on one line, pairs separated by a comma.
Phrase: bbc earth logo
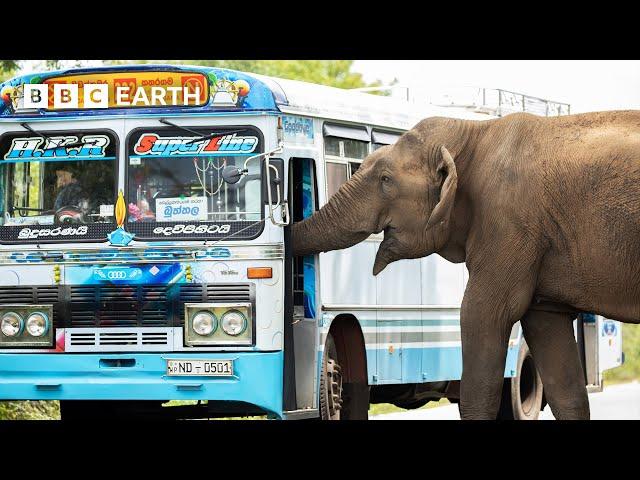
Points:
[[96, 95]]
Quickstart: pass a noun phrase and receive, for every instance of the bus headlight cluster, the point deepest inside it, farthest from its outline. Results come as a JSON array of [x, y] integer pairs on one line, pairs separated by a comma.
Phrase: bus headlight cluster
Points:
[[25, 325], [217, 324]]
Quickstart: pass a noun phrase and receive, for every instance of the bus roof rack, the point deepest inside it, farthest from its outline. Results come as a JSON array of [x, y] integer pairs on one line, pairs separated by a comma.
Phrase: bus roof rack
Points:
[[492, 101]]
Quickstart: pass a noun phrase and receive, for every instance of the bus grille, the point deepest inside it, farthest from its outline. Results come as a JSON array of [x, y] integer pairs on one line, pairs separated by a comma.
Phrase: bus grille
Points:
[[118, 339], [93, 306]]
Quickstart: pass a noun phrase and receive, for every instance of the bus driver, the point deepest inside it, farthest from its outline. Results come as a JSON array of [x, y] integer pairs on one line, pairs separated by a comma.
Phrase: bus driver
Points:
[[71, 192]]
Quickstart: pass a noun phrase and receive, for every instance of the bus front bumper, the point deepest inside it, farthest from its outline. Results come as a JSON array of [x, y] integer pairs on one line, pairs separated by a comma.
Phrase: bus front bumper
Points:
[[257, 378]]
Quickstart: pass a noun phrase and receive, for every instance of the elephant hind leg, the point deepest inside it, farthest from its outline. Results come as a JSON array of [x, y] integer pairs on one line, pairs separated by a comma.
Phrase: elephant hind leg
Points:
[[555, 353]]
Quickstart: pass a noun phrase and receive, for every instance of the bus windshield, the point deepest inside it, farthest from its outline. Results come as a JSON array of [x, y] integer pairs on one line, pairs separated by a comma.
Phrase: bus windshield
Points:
[[175, 185], [45, 183]]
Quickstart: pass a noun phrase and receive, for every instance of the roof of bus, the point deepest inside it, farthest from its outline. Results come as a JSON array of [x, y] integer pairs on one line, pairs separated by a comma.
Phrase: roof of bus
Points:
[[225, 91]]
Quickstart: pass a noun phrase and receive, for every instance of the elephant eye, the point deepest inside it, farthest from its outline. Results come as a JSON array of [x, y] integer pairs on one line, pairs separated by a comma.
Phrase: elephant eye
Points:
[[385, 179]]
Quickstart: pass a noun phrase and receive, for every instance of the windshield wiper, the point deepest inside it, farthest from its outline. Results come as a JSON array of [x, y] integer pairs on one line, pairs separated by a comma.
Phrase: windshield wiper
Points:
[[45, 137], [201, 137]]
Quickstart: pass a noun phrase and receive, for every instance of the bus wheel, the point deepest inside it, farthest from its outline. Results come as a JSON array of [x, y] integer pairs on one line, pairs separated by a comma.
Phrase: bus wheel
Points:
[[522, 394], [330, 382]]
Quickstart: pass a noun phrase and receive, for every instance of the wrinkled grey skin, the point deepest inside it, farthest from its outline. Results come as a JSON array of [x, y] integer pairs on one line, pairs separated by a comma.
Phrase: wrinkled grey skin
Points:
[[544, 211]]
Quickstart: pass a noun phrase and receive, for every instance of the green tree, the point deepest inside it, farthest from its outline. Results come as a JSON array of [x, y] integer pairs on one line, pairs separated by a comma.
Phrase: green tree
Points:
[[630, 370], [8, 68], [335, 73]]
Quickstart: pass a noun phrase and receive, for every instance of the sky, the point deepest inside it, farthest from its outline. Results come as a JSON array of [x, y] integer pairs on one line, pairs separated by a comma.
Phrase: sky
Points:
[[587, 85]]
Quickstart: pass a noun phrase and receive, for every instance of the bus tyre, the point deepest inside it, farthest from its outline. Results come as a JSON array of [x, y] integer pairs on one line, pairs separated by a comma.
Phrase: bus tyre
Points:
[[330, 382], [522, 394]]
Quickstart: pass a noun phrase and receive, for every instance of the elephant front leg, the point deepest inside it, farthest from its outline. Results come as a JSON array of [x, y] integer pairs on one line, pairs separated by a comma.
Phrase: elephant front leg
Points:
[[496, 297], [555, 353], [484, 351]]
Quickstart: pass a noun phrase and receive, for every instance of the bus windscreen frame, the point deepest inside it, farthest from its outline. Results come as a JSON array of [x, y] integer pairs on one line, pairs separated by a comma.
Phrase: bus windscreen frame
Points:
[[64, 227], [196, 230]]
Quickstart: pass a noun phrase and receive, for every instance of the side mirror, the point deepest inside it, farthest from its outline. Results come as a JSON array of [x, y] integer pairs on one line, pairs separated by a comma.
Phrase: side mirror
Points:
[[232, 174]]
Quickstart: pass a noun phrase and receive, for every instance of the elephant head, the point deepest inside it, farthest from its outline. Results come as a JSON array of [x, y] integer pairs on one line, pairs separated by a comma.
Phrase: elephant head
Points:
[[406, 190]]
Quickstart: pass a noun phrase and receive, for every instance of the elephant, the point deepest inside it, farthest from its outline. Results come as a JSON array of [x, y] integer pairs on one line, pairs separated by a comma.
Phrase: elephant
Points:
[[545, 211]]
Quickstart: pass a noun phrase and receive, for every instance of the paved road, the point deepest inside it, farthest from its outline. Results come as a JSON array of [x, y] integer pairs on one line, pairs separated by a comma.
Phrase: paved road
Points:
[[617, 402]]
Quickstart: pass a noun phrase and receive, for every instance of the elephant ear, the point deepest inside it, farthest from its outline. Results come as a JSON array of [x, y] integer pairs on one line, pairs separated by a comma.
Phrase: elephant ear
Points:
[[442, 210]]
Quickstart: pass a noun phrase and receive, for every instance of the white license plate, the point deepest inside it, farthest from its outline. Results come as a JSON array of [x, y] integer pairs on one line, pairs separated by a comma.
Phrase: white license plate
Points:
[[211, 368]]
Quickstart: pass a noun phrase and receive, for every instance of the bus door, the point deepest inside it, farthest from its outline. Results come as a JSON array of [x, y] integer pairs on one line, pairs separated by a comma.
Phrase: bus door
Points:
[[303, 202]]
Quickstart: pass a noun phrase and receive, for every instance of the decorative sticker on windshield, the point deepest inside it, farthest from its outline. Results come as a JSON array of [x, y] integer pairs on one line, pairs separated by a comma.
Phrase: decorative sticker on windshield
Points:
[[151, 144], [68, 147], [181, 209]]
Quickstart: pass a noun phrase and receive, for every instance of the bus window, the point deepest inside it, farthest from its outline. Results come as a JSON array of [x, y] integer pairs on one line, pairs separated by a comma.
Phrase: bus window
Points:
[[333, 147], [346, 141], [336, 176], [355, 149], [185, 185], [380, 139], [45, 184], [344, 149]]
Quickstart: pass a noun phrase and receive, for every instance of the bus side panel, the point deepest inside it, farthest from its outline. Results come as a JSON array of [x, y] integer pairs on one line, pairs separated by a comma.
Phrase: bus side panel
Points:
[[442, 281], [399, 332], [442, 286], [345, 279], [345, 275]]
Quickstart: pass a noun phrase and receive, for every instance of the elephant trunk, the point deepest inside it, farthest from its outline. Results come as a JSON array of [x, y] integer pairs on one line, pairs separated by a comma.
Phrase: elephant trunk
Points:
[[335, 226]]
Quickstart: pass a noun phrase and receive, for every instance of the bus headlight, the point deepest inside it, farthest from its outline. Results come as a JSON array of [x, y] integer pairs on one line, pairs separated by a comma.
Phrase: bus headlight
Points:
[[204, 323], [234, 323], [11, 324], [37, 324], [218, 324]]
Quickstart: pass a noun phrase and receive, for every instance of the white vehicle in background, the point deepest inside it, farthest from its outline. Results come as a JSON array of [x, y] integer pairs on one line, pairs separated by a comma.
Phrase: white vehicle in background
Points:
[[171, 277]]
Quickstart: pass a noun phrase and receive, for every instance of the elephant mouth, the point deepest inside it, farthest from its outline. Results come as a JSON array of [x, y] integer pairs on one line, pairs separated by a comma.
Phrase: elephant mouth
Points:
[[391, 234], [386, 253], [388, 230], [384, 226]]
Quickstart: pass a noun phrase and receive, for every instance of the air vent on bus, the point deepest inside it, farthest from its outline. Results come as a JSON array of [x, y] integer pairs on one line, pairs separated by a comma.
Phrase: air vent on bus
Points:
[[118, 339]]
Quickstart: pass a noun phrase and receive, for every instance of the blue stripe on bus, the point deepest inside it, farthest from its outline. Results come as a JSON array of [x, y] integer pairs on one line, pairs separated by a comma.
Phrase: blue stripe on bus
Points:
[[417, 365], [426, 322]]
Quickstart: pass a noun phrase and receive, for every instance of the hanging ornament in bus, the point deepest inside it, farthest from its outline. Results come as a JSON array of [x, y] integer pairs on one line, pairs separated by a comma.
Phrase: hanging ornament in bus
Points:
[[119, 236]]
